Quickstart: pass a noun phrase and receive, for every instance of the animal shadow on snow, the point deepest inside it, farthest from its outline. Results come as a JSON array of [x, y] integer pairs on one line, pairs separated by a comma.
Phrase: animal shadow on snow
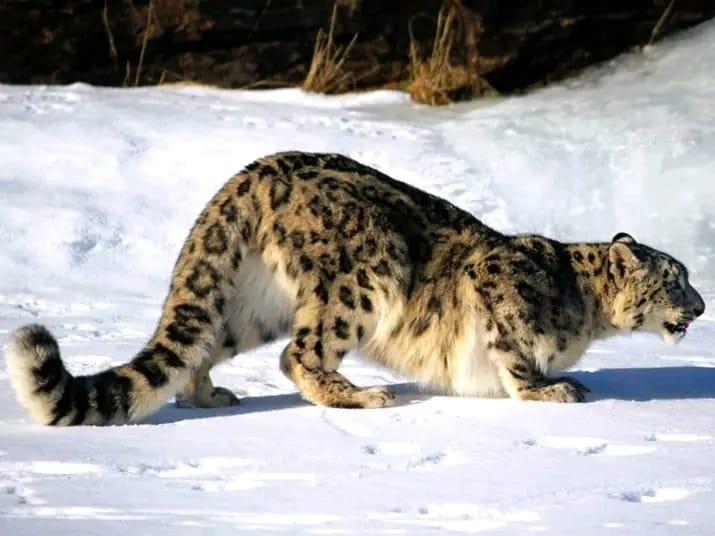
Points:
[[637, 384], [406, 393], [643, 384]]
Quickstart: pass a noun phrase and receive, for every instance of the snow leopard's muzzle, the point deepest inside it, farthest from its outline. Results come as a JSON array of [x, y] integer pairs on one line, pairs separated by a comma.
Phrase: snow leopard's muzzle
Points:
[[675, 330]]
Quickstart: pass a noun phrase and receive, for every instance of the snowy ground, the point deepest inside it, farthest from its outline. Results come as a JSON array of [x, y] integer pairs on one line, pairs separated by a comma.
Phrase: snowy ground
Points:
[[98, 188]]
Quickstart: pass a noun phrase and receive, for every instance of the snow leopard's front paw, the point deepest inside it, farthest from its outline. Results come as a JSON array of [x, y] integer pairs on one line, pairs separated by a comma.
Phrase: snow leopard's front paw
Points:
[[557, 390], [375, 397]]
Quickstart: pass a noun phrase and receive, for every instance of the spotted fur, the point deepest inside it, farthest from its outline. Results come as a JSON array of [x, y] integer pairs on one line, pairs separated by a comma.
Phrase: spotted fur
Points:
[[341, 257]]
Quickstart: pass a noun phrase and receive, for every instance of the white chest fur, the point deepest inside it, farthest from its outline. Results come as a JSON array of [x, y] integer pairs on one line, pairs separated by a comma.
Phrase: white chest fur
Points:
[[550, 359]]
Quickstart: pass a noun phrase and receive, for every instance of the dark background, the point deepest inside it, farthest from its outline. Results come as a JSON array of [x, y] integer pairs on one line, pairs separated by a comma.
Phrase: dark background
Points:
[[268, 43]]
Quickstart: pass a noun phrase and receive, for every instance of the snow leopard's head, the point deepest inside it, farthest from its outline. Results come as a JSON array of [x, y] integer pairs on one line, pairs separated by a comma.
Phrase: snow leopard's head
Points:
[[652, 291]]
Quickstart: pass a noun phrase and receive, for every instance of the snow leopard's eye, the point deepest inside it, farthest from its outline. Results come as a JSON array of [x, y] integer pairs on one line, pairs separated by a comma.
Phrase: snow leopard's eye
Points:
[[682, 281]]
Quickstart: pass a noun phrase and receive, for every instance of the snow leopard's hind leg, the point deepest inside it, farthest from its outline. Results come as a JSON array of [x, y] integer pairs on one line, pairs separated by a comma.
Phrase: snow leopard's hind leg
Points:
[[320, 341], [256, 312], [199, 391]]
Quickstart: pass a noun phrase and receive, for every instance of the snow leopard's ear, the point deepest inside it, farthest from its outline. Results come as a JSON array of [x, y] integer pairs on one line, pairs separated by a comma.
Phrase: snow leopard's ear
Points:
[[622, 260], [624, 237]]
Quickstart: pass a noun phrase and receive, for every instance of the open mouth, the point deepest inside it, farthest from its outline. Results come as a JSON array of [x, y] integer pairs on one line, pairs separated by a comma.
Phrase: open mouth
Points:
[[674, 333], [680, 328]]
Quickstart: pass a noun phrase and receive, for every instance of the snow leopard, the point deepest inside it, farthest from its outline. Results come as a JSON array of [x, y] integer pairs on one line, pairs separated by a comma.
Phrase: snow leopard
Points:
[[339, 257]]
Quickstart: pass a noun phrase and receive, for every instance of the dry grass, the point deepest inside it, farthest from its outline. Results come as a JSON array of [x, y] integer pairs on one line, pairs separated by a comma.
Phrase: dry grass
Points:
[[661, 22], [326, 74], [110, 36], [148, 31], [440, 79], [149, 28], [127, 74]]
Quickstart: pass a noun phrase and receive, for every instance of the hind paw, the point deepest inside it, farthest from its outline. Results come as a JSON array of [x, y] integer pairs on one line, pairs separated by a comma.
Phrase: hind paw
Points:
[[222, 397], [218, 397]]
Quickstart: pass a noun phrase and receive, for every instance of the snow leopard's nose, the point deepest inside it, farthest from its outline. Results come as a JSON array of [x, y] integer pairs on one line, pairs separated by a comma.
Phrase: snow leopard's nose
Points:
[[696, 302], [699, 308]]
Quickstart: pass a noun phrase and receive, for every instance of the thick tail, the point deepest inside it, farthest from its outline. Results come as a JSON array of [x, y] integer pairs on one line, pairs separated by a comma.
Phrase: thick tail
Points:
[[115, 396], [187, 333]]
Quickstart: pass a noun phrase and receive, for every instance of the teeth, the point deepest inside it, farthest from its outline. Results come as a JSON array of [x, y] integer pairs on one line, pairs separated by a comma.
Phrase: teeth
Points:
[[680, 327]]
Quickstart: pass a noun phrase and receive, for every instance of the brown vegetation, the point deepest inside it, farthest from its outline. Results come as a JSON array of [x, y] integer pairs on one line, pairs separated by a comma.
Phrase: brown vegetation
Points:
[[326, 74], [458, 53], [451, 71]]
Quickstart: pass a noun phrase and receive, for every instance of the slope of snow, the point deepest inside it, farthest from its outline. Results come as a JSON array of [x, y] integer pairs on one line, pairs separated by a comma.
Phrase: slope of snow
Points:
[[98, 188]]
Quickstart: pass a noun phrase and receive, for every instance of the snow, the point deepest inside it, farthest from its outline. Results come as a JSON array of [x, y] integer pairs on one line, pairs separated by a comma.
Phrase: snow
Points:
[[98, 188]]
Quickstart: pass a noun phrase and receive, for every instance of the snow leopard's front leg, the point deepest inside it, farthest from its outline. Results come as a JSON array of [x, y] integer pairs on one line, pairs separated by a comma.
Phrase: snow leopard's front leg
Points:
[[523, 380]]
